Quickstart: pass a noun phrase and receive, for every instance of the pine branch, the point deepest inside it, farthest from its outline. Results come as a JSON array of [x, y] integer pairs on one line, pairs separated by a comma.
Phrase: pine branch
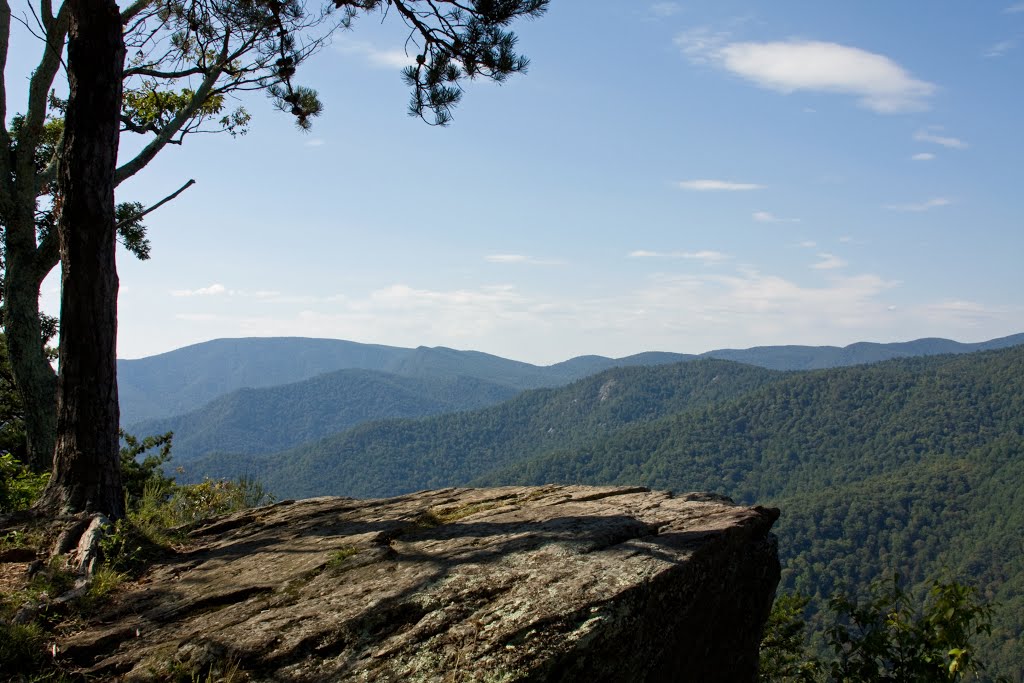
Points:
[[133, 10], [139, 216]]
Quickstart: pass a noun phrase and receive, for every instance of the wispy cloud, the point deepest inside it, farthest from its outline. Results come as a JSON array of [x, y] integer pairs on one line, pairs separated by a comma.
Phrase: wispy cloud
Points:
[[689, 311], [522, 258], [702, 45], [707, 185], [923, 156], [829, 262], [315, 142], [263, 296], [505, 258], [807, 244], [390, 59], [1000, 48], [196, 317], [1015, 8], [707, 309], [708, 256], [768, 217], [931, 135], [879, 83], [921, 206], [666, 9], [215, 289]]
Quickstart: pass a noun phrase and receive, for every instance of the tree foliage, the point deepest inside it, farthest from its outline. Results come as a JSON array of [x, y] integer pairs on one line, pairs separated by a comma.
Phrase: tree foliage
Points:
[[888, 635], [187, 60]]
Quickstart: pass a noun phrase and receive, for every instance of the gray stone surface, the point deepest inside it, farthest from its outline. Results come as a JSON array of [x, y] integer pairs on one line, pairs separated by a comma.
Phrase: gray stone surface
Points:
[[559, 583]]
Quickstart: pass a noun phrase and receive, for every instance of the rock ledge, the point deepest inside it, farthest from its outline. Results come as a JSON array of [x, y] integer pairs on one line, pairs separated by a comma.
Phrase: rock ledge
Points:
[[505, 584]]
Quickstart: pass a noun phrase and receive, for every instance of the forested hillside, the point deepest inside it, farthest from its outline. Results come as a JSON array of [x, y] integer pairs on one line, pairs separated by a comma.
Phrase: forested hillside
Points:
[[913, 465], [182, 380], [397, 456], [275, 418]]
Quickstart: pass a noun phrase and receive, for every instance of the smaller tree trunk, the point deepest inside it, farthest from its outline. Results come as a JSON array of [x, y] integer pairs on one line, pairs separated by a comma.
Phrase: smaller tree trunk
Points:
[[86, 463], [35, 379]]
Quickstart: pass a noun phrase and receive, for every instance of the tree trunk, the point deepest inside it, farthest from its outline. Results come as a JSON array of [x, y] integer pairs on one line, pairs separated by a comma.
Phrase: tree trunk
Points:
[[86, 466], [35, 378], [25, 266], [33, 375]]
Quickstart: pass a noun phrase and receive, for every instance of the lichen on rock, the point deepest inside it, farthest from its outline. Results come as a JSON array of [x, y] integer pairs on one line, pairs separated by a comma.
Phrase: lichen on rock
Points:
[[505, 584]]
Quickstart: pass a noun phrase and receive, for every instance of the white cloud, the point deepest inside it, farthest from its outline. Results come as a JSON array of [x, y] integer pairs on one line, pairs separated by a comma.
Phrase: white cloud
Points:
[[768, 308], [879, 83], [215, 289], [767, 217], [829, 262], [522, 258], [196, 317], [505, 258], [923, 156], [1015, 9], [666, 9], [706, 185], [921, 206], [964, 315], [390, 59], [701, 45], [315, 142], [1000, 48], [928, 135], [263, 296], [687, 312], [807, 244], [690, 312], [708, 256], [274, 297]]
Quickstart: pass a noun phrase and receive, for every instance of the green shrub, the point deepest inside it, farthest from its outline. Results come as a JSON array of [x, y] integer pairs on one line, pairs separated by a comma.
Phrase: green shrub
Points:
[[886, 637], [19, 486], [137, 475], [22, 647], [212, 497]]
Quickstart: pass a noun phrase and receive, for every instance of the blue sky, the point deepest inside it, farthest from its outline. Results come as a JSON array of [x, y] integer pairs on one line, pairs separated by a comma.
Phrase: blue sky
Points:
[[674, 176]]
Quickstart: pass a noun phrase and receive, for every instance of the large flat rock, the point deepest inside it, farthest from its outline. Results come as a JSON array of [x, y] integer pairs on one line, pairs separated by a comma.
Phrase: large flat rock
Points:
[[506, 584]]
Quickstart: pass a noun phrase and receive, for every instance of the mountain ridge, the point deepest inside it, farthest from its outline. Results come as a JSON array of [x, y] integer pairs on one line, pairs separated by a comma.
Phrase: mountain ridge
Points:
[[183, 380], [268, 419]]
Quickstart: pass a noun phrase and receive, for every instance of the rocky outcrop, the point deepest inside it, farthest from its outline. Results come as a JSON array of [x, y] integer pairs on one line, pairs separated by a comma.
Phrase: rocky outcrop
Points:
[[556, 583]]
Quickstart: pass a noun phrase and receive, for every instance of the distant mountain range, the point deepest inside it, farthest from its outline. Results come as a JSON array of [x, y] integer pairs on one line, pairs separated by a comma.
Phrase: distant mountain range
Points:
[[912, 465], [184, 380], [861, 353]]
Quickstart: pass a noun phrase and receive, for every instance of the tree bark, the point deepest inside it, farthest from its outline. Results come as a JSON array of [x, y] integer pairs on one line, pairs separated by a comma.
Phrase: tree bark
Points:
[[33, 375], [86, 465]]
